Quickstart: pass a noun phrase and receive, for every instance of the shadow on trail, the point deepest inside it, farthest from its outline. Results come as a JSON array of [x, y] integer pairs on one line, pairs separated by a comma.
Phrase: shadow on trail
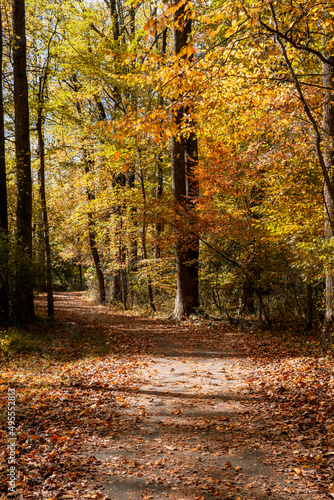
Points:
[[147, 441], [198, 397], [84, 330]]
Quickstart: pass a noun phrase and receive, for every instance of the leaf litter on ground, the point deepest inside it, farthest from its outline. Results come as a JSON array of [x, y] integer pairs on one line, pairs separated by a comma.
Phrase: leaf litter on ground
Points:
[[82, 395]]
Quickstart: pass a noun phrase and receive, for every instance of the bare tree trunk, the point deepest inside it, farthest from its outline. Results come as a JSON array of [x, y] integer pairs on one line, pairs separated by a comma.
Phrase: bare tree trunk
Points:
[[40, 250], [96, 258], [133, 250], [91, 197], [80, 278], [124, 284], [115, 20], [92, 238], [159, 225], [328, 126], [144, 249], [309, 307], [119, 276], [24, 300], [263, 309], [247, 296], [46, 235], [4, 283]]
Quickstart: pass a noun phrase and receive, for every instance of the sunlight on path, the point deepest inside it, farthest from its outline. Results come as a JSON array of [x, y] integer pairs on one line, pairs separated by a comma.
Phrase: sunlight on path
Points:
[[185, 425], [189, 442]]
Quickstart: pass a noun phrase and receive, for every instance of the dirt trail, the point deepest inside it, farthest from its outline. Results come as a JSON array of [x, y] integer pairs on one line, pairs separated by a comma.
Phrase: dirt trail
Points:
[[188, 428]]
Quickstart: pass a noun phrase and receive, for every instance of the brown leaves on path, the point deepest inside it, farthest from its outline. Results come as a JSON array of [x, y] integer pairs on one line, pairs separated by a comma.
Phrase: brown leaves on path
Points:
[[128, 407], [299, 414]]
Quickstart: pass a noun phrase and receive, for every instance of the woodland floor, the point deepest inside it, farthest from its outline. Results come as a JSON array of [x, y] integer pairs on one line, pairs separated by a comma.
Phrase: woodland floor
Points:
[[129, 408]]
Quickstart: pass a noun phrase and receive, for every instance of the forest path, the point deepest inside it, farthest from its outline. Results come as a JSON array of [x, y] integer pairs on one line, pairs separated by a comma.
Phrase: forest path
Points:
[[183, 423]]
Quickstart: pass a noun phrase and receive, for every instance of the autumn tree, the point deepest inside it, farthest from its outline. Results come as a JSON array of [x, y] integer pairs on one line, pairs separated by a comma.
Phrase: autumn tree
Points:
[[24, 303], [328, 127], [292, 40], [86, 107], [41, 95], [184, 156], [124, 86], [4, 285]]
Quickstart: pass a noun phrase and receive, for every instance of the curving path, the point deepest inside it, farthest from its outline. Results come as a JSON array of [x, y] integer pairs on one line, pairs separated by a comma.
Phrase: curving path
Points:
[[188, 427]]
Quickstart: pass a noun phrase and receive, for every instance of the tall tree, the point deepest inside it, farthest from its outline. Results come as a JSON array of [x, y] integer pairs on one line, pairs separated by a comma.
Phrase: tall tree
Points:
[[185, 189], [42, 191], [328, 126], [88, 165], [324, 153], [4, 289], [92, 233], [24, 301]]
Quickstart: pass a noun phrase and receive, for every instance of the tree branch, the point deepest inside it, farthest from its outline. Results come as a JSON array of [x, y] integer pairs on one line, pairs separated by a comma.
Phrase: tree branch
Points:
[[306, 107], [290, 40], [227, 259]]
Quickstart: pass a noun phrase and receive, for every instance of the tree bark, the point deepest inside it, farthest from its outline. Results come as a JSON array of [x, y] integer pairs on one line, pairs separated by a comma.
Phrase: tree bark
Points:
[[4, 283], [80, 278], [120, 288], [247, 297], [46, 233], [144, 248], [185, 189], [24, 300], [91, 197], [159, 225], [92, 238], [325, 155], [96, 258], [309, 307], [133, 251], [115, 20], [328, 127]]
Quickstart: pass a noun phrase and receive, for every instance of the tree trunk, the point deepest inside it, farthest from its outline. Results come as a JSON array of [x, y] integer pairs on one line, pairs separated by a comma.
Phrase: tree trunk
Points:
[[24, 300], [328, 126], [91, 197], [46, 234], [187, 252], [119, 277], [96, 258], [4, 284], [263, 309], [247, 297], [185, 190], [124, 285], [309, 307], [133, 251], [159, 225], [80, 278], [92, 239], [40, 250], [143, 239], [132, 264], [115, 20]]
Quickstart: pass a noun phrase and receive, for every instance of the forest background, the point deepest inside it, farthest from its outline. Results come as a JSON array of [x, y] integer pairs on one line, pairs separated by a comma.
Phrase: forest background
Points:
[[169, 146]]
